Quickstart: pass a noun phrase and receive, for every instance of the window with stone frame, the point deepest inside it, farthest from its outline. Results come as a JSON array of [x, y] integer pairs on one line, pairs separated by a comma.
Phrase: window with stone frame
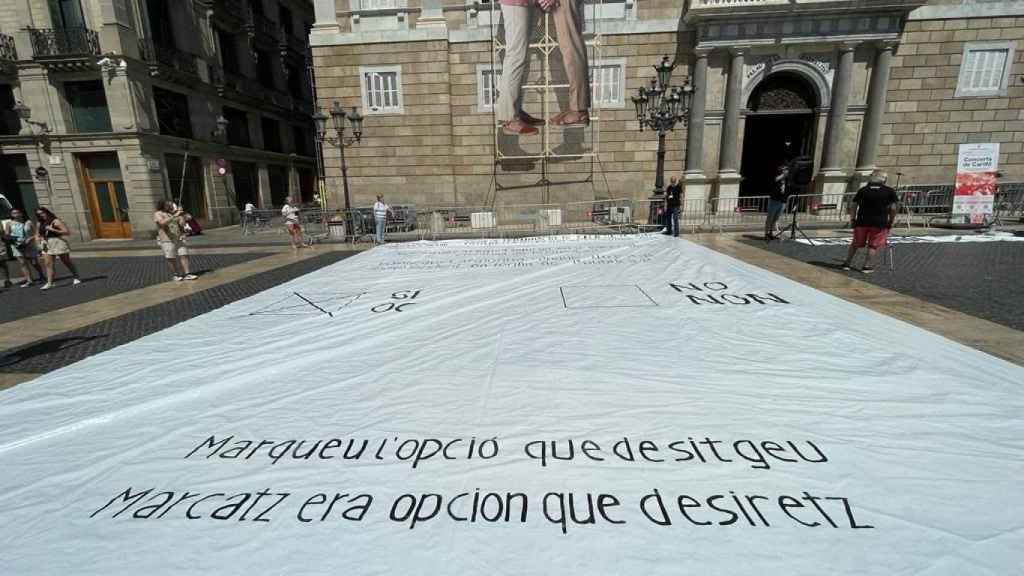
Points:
[[608, 83], [985, 69], [487, 81], [381, 89], [271, 134], [238, 127], [172, 113]]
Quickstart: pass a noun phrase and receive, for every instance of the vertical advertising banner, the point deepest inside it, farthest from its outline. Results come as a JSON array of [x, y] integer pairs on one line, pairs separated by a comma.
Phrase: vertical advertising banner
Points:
[[975, 182]]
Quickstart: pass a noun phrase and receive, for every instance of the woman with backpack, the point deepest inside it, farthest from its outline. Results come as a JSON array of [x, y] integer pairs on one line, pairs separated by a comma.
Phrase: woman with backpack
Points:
[[20, 234]]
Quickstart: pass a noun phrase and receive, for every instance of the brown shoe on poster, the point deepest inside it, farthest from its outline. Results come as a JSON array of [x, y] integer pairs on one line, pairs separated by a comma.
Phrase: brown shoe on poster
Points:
[[518, 128], [571, 118], [532, 121]]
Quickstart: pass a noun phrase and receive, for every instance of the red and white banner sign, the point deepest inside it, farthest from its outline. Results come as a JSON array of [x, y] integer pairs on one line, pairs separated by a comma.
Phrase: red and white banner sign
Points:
[[975, 181]]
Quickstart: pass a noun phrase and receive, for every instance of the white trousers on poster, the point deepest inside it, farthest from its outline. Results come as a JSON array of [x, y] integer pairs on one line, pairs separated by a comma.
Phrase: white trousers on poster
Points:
[[518, 21]]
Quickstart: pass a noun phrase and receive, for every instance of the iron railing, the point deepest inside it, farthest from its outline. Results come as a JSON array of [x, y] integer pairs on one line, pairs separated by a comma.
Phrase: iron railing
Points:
[[8, 52], [64, 42], [169, 57]]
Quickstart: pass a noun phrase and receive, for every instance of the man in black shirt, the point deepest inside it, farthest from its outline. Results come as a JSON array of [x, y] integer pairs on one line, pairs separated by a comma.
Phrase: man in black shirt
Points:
[[673, 199], [872, 214], [776, 201]]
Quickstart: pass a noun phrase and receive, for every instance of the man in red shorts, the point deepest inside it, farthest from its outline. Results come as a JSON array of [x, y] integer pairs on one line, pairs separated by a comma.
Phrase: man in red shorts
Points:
[[872, 213]]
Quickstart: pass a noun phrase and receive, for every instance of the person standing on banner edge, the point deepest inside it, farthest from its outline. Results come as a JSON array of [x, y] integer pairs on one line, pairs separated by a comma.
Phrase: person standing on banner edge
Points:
[[170, 235], [673, 200], [776, 202], [380, 218], [872, 214]]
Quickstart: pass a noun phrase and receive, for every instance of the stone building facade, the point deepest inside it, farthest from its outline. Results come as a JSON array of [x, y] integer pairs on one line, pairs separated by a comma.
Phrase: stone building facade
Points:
[[847, 86], [110, 105]]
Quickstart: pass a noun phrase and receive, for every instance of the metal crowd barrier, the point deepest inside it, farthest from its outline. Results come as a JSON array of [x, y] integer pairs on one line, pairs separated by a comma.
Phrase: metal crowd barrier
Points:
[[919, 205]]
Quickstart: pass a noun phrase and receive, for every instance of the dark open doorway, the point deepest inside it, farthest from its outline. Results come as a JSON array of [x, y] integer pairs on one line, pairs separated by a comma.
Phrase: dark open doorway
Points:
[[780, 127]]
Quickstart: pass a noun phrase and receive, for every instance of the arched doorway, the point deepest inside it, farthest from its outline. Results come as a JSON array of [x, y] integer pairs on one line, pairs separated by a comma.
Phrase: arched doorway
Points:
[[780, 127]]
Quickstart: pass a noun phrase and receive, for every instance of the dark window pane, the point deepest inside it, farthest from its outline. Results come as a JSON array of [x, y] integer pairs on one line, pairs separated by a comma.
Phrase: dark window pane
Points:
[[189, 188], [122, 201], [88, 103], [172, 113], [228, 51], [296, 78], [9, 124], [16, 183], [285, 19], [246, 184], [103, 199], [161, 26], [301, 143], [265, 68], [306, 184], [278, 184], [238, 127], [66, 14], [102, 167], [271, 135]]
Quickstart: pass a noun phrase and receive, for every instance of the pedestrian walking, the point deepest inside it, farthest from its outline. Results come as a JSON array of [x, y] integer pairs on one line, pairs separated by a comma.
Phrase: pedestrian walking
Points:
[[170, 235], [50, 235], [872, 214], [20, 233], [248, 217], [380, 218], [5, 256], [291, 221], [673, 200]]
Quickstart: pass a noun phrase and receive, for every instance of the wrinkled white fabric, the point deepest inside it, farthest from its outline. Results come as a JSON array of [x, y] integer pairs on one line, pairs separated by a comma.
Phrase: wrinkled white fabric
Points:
[[630, 347]]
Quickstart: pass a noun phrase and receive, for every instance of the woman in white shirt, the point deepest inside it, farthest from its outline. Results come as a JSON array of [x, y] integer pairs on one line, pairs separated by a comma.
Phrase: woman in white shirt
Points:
[[291, 221]]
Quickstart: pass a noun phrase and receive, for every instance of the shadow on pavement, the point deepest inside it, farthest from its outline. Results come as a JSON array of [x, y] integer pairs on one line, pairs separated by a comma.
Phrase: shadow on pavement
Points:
[[43, 348]]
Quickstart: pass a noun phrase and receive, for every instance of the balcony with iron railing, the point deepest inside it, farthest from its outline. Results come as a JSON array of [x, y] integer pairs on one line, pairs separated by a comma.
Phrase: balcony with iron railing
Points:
[[167, 57], [64, 43], [699, 9], [8, 52]]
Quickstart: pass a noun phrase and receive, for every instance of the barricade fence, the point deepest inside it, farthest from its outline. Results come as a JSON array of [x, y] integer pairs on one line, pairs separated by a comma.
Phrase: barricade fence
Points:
[[920, 205]]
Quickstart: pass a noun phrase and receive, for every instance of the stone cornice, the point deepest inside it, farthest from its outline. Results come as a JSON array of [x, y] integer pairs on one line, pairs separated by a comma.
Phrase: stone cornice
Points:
[[483, 34], [972, 10]]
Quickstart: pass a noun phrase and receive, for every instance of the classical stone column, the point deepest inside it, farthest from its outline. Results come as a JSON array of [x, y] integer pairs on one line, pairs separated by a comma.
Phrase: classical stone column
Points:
[[868, 150], [326, 17], [831, 179], [694, 181], [728, 158], [837, 109]]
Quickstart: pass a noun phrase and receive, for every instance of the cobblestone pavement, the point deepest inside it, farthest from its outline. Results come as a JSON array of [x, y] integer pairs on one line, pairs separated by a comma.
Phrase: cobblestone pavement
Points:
[[982, 279], [101, 277], [69, 347]]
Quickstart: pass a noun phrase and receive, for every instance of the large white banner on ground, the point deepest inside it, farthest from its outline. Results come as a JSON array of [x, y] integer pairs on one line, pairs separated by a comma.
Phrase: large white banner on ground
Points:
[[564, 405]]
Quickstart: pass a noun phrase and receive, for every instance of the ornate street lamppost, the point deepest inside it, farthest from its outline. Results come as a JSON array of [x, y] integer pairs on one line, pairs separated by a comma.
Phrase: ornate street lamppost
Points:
[[660, 107], [338, 117]]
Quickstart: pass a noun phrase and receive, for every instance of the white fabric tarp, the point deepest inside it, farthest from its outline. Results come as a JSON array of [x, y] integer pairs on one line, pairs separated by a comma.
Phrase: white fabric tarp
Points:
[[909, 239], [564, 405]]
